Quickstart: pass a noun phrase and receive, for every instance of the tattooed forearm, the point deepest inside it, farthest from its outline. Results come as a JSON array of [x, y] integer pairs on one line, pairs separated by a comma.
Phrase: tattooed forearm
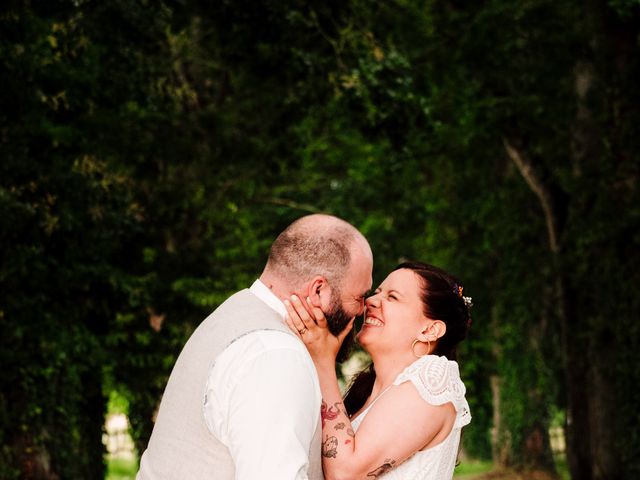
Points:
[[384, 468], [330, 413], [336, 429], [330, 447]]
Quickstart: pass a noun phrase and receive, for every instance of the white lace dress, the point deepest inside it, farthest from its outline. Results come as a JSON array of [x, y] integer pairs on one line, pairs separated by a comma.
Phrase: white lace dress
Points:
[[438, 382]]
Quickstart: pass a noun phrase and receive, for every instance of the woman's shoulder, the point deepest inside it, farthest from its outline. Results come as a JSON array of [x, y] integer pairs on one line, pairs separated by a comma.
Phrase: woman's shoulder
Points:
[[438, 381], [436, 373]]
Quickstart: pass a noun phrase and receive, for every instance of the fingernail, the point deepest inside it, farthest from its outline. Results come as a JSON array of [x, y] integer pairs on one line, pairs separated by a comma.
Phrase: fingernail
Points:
[[308, 300], [294, 297], [286, 302]]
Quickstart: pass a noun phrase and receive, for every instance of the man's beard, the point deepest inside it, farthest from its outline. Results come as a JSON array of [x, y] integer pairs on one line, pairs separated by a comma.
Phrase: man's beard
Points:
[[337, 321]]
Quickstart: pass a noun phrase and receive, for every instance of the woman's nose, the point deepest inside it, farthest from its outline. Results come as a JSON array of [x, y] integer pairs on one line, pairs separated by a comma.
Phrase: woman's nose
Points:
[[372, 301]]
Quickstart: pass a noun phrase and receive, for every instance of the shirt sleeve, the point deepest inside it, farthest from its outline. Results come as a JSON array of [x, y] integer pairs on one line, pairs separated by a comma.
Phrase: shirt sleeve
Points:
[[272, 410]]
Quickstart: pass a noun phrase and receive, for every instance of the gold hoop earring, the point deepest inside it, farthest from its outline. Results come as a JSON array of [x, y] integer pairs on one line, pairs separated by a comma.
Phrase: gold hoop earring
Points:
[[413, 346]]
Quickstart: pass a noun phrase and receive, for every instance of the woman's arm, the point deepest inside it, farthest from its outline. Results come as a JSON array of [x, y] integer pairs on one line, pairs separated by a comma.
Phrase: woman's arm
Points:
[[399, 424]]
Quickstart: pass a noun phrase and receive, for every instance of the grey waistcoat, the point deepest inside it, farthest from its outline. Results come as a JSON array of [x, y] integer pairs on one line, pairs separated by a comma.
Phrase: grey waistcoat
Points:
[[181, 446]]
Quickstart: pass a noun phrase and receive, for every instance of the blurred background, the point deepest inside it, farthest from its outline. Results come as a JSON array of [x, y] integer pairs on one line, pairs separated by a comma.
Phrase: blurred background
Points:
[[150, 152]]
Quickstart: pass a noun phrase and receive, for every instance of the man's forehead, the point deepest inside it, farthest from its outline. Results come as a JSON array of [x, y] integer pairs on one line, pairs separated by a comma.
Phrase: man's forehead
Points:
[[361, 271], [362, 285]]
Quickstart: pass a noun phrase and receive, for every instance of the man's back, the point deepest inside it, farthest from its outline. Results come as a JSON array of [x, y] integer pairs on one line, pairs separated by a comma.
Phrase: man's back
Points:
[[182, 444]]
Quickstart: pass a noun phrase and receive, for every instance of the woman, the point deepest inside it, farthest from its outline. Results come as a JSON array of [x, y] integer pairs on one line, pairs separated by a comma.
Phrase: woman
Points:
[[402, 418]]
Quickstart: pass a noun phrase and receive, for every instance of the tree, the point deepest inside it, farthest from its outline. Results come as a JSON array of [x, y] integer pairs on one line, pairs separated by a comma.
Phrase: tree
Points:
[[152, 152]]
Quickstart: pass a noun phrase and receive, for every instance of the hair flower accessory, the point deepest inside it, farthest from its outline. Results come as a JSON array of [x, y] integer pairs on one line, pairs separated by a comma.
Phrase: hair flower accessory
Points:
[[458, 289]]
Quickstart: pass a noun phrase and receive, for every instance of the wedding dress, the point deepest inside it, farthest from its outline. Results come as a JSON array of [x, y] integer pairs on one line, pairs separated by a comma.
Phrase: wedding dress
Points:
[[438, 382]]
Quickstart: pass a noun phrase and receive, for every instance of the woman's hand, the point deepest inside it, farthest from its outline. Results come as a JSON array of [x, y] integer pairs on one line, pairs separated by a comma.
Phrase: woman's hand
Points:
[[310, 325]]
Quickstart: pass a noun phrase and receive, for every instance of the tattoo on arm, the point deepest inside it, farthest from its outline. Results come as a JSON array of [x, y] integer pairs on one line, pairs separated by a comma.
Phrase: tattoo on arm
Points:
[[330, 447], [384, 468], [329, 413]]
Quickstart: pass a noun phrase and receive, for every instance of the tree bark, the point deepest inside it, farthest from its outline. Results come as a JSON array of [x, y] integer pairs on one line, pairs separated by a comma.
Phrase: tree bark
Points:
[[580, 392], [542, 191], [574, 364], [577, 429], [499, 452], [602, 116]]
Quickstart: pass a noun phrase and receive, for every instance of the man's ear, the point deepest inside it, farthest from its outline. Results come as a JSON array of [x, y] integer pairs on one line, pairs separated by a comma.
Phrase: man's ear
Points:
[[319, 290]]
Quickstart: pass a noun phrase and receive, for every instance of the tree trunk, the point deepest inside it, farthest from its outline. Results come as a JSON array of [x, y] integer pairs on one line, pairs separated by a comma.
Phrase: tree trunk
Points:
[[554, 207], [577, 431], [499, 450]]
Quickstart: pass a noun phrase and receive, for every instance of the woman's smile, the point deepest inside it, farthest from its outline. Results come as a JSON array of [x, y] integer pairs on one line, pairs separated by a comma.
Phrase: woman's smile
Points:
[[372, 321]]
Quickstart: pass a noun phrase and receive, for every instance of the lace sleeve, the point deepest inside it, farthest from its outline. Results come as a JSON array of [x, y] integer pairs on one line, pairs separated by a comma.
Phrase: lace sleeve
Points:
[[437, 380]]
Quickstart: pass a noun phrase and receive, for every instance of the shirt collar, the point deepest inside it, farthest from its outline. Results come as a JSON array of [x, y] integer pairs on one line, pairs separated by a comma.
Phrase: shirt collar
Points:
[[265, 294]]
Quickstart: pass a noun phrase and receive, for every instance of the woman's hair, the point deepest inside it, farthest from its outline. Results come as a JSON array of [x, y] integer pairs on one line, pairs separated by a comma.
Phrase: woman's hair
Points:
[[442, 299]]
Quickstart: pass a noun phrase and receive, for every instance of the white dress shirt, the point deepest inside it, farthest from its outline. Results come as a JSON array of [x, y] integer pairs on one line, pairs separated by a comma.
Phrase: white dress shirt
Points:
[[262, 400]]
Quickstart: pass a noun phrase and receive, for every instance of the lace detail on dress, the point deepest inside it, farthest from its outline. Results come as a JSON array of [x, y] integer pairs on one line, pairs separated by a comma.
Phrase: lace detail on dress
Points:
[[437, 380]]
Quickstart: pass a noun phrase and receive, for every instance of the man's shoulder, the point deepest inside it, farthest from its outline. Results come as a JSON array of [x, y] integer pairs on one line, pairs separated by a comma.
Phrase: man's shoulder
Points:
[[265, 341], [240, 313], [240, 300], [262, 355], [243, 304]]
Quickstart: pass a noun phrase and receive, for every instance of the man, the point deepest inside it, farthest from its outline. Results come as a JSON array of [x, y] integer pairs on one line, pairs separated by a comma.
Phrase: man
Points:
[[243, 400]]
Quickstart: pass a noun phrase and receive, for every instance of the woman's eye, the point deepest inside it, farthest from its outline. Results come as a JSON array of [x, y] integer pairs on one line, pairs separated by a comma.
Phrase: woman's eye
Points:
[[393, 297]]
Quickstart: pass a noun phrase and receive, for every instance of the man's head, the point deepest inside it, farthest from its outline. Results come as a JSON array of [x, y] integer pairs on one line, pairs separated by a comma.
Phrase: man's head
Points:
[[326, 259]]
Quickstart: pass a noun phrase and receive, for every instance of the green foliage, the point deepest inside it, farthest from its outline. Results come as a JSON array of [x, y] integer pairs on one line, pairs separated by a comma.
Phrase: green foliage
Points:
[[151, 151], [121, 469], [471, 469]]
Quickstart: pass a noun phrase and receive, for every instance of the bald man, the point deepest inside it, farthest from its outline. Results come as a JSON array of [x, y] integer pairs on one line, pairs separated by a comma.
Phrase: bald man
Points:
[[243, 399]]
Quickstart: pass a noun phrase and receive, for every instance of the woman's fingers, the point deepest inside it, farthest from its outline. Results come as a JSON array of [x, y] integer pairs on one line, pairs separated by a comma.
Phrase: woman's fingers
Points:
[[302, 312], [318, 314], [293, 318], [291, 325], [310, 325], [305, 319]]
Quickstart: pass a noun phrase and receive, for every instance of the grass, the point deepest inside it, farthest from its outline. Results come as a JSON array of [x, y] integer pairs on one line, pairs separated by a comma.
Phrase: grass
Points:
[[563, 468], [470, 468], [477, 469], [121, 468], [126, 468]]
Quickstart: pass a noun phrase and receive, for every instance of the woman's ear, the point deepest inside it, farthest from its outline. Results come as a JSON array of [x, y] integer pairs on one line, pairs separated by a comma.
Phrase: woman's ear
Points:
[[422, 336], [437, 329]]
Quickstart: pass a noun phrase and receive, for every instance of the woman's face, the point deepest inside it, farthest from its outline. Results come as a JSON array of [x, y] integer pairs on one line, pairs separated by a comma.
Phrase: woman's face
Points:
[[394, 314]]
